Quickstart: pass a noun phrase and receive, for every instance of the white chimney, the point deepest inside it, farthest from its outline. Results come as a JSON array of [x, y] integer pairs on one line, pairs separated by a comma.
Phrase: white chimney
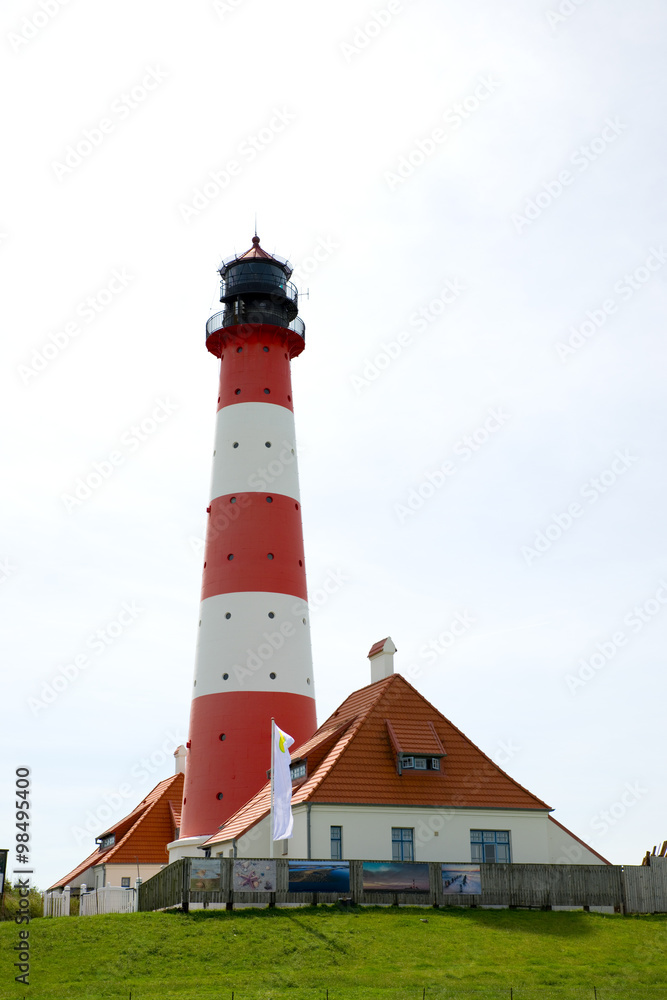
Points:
[[179, 760], [382, 659]]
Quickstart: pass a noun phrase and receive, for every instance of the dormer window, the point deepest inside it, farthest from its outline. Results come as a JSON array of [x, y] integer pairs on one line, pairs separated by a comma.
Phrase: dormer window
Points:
[[414, 762], [298, 770], [107, 841]]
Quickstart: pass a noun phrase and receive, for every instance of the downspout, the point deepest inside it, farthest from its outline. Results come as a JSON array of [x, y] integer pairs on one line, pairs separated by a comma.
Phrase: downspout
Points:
[[308, 830], [234, 847]]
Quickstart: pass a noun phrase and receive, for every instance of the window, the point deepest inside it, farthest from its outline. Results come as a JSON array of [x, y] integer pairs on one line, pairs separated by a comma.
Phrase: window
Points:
[[419, 763], [125, 883], [107, 841], [336, 843], [401, 843], [490, 846], [298, 771]]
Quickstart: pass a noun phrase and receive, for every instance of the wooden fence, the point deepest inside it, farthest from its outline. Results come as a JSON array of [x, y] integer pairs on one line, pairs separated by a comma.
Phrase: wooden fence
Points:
[[626, 888]]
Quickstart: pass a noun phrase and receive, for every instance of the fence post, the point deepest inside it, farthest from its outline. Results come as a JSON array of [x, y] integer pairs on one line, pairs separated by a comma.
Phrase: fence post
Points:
[[137, 884], [66, 894], [82, 893]]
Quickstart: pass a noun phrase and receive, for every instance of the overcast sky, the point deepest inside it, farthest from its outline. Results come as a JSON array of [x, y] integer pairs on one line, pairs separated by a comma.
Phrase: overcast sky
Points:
[[473, 195]]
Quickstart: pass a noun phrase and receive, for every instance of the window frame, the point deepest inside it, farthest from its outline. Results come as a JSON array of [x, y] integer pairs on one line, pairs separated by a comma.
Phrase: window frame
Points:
[[401, 842], [491, 839], [338, 841]]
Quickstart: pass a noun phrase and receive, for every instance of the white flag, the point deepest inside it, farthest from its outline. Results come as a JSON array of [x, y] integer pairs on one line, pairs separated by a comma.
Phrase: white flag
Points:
[[281, 781]]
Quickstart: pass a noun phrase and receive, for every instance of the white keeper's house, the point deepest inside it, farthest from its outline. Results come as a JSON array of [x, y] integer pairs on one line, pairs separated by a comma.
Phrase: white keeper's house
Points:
[[387, 777]]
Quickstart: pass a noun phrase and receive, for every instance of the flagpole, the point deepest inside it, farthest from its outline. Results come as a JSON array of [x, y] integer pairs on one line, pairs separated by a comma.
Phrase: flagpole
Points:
[[273, 773]]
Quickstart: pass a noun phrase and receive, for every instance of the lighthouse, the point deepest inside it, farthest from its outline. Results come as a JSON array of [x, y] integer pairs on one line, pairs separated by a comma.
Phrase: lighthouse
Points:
[[253, 660]]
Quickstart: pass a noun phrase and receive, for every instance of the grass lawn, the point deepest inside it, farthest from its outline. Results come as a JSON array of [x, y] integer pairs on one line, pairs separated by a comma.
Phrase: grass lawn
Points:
[[365, 953]]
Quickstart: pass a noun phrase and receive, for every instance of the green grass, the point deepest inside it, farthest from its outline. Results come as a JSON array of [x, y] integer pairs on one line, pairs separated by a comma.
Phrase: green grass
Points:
[[365, 954]]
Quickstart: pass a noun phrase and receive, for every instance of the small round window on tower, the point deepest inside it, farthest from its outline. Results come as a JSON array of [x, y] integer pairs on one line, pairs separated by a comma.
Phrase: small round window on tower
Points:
[[228, 615], [266, 350], [267, 444], [272, 676], [269, 555], [269, 499], [267, 391], [271, 615], [230, 556], [219, 795], [237, 392], [235, 445], [225, 677]]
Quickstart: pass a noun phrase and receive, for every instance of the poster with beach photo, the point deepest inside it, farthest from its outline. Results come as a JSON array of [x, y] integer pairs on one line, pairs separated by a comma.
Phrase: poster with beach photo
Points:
[[461, 880], [254, 876], [395, 876], [205, 875], [319, 876]]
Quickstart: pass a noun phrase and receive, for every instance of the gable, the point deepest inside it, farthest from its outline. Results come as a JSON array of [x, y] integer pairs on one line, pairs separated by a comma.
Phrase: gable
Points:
[[367, 772]]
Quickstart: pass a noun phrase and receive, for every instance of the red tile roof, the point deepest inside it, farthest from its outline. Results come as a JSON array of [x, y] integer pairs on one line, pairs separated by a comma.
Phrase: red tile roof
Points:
[[415, 737], [141, 836], [351, 759]]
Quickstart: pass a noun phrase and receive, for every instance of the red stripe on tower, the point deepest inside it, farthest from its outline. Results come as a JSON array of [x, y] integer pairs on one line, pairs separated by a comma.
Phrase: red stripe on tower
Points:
[[253, 658]]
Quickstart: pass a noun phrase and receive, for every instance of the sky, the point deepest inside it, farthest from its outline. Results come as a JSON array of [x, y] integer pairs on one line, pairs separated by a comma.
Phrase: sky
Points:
[[472, 196]]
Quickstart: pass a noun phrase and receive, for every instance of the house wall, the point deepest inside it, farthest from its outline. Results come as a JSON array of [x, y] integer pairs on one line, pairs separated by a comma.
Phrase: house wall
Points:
[[566, 850], [114, 873], [439, 834]]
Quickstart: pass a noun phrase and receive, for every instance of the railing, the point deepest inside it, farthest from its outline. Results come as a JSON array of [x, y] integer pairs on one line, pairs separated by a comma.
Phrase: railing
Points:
[[226, 318], [244, 284]]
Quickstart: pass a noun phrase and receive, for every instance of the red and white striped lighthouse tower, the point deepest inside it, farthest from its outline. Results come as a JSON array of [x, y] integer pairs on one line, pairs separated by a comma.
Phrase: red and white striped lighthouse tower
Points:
[[253, 657]]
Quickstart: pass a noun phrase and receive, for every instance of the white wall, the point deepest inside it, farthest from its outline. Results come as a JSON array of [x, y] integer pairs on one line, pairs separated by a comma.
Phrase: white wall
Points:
[[439, 834], [565, 850], [114, 873]]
